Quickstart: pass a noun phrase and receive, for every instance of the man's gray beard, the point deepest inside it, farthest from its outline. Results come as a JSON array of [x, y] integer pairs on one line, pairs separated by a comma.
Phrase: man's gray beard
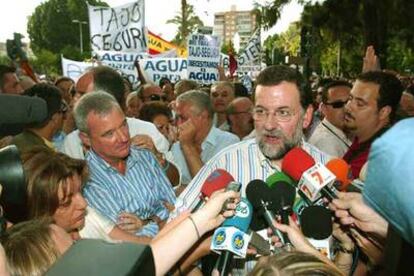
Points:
[[277, 152]]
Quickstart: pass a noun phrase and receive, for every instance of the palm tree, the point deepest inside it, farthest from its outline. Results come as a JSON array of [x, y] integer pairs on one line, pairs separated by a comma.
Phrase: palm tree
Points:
[[268, 14], [186, 21]]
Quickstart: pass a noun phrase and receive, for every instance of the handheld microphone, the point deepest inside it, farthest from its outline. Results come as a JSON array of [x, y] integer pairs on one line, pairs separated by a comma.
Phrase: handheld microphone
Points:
[[218, 179], [314, 179], [287, 197], [232, 238], [18, 109], [316, 225], [273, 179], [342, 172], [266, 200]]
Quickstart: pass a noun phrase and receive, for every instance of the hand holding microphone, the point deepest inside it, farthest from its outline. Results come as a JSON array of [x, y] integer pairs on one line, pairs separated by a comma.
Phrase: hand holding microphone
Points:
[[351, 210], [296, 237], [210, 216], [217, 180]]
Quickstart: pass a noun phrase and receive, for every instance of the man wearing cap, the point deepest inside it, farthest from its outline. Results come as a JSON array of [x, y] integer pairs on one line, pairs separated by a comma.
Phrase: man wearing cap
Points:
[[329, 135], [41, 134]]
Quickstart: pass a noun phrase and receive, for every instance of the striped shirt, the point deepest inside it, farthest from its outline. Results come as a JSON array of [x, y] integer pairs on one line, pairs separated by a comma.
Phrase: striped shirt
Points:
[[245, 162], [141, 191]]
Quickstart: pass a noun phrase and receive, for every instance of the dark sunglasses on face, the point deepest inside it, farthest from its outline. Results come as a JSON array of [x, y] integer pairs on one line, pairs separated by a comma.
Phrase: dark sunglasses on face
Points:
[[338, 104], [155, 97]]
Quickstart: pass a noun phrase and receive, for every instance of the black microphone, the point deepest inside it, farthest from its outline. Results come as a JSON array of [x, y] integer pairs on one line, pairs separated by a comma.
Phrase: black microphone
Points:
[[316, 225], [266, 200], [287, 197], [18, 109]]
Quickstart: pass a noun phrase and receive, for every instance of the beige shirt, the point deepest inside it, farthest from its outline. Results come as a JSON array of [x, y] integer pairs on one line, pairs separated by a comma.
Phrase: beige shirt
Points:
[[330, 139]]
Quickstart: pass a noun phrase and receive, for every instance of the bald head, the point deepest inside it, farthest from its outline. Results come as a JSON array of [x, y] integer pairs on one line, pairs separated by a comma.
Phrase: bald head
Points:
[[239, 116]]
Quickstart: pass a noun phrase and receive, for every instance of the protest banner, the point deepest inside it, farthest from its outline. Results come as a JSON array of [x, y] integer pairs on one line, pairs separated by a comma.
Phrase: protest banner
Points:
[[174, 69], [251, 53], [74, 69], [123, 62], [119, 28], [203, 58]]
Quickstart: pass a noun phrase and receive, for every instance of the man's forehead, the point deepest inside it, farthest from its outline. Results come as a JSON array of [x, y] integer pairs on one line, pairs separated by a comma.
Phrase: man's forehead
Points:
[[221, 88], [242, 104], [153, 90], [283, 90], [338, 91], [365, 90], [95, 119]]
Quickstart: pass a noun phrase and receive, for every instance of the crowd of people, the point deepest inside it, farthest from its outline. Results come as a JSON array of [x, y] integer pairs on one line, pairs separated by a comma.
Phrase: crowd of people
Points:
[[126, 165]]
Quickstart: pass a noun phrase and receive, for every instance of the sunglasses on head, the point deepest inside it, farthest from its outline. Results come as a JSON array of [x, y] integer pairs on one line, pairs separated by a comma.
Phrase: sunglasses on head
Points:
[[155, 97], [338, 104]]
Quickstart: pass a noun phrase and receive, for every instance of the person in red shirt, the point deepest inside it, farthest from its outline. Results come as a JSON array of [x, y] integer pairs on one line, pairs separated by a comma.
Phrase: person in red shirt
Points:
[[369, 112]]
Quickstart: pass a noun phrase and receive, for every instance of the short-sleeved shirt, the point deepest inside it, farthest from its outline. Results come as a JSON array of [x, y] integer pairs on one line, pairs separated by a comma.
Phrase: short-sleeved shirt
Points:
[[141, 191]]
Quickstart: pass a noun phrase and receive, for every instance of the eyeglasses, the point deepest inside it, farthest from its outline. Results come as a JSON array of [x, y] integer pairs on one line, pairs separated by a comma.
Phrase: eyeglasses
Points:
[[249, 111], [155, 97], [281, 115], [338, 104]]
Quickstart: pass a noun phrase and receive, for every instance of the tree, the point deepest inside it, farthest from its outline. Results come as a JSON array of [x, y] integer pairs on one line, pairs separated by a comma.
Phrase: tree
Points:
[[268, 14], [347, 27], [187, 23], [50, 26]]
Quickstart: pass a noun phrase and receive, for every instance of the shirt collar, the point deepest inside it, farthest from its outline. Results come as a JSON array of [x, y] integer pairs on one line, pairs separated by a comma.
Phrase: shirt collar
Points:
[[211, 138], [99, 161], [334, 129]]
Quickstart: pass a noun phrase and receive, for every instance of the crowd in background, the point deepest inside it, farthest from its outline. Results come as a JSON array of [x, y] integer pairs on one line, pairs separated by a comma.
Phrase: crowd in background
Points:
[[113, 162]]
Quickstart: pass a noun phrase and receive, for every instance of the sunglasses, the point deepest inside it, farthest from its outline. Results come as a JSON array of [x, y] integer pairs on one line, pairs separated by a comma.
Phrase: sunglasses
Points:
[[338, 104], [155, 97]]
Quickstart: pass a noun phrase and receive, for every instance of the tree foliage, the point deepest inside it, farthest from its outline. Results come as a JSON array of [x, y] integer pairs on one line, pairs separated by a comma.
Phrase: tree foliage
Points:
[[52, 32], [347, 27], [186, 21]]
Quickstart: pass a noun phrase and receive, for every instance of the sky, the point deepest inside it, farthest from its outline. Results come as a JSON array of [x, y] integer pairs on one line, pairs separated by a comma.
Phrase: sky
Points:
[[14, 14]]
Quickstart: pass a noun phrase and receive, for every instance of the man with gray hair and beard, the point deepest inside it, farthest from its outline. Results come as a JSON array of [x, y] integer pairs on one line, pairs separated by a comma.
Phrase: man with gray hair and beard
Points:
[[281, 111]]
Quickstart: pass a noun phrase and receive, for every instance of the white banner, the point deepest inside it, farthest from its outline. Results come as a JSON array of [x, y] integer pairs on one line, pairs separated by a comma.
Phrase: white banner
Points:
[[251, 54], [118, 29], [123, 62], [203, 58], [74, 69], [174, 69]]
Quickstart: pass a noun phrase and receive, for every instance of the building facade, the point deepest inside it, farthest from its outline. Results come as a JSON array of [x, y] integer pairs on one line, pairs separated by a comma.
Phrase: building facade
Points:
[[228, 24]]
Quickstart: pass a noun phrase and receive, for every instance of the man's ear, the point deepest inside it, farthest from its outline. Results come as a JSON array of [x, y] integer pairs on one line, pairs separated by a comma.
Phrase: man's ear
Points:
[[307, 117], [384, 112], [85, 139]]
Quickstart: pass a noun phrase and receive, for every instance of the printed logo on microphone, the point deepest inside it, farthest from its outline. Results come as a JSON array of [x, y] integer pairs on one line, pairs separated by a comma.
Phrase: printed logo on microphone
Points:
[[242, 210], [237, 241], [220, 237], [214, 175]]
